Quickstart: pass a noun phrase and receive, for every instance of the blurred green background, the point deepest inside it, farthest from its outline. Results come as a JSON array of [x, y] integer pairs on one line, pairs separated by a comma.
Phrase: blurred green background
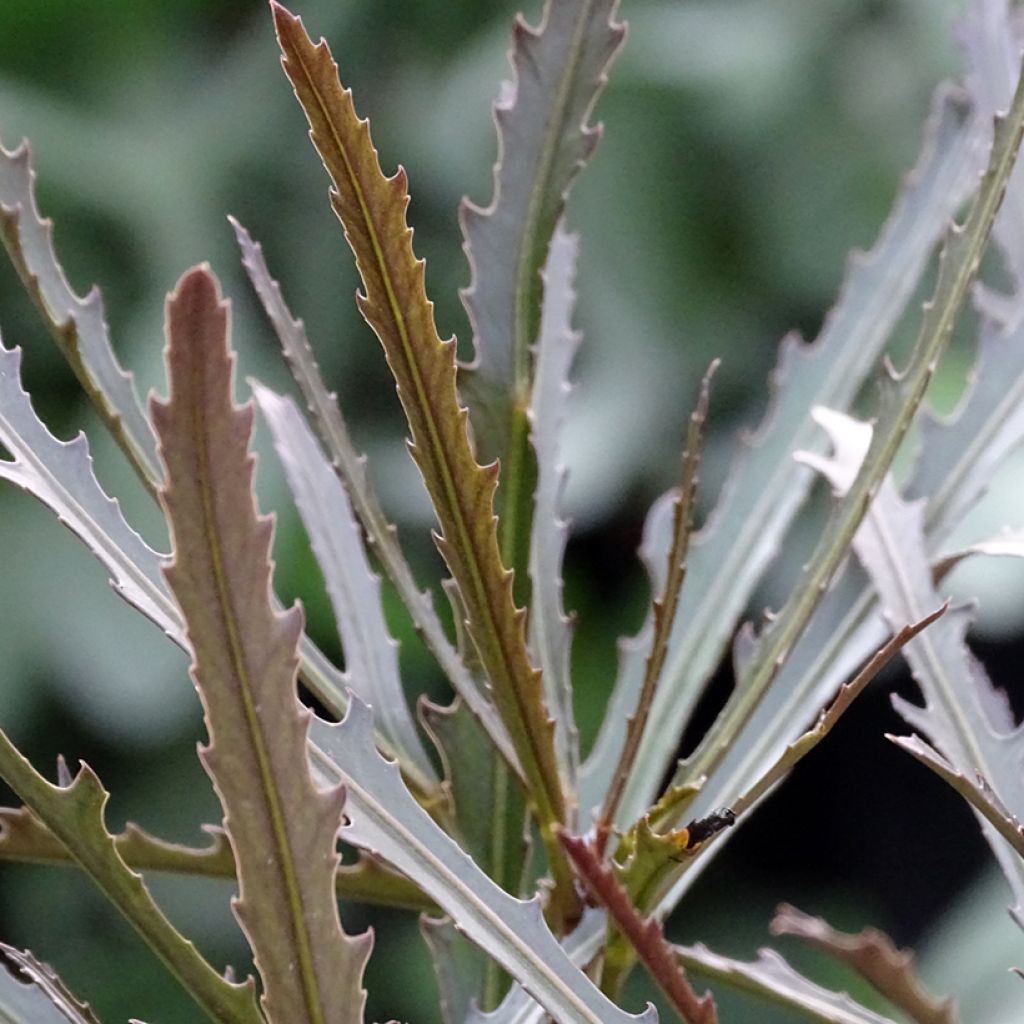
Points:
[[748, 147]]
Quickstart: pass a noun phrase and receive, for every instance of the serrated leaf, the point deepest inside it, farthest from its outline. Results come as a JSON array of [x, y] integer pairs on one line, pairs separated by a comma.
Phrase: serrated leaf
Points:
[[976, 792], [490, 815], [965, 716], [372, 210], [765, 489], [543, 140], [890, 971], [74, 813], [645, 935], [23, 837], [31, 992], [60, 475], [384, 817], [549, 630], [458, 966], [371, 654], [352, 469], [771, 978], [282, 827], [900, 399], [78, 325]]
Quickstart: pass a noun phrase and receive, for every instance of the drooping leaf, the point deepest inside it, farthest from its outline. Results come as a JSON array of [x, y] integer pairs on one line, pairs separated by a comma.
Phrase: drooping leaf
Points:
[[549, 630], [282, 827], [765, 488], [976, 792], [78, 325], [967, 719], [371, 654], [873, 956], [31, 993], [372, 210], [383, 817], [23, 837], [74, 813], [771, 978], [352, 469]]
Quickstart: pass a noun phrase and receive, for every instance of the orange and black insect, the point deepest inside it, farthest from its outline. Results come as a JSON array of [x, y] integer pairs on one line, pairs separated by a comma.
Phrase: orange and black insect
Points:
[[689, 839]]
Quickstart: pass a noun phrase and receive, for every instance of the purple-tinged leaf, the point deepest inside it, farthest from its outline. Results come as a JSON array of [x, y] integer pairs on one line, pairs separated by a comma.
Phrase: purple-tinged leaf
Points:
[[967, 719], [543, 140], [890, 971], [372, 209], [549, 630], [352, 469], [644, 934], [663, 611], [23, 837], [31, 992], [281, 826], [383, 817], [78, 325], [771, 978], [765, 488], [371, 654], [74, 812]]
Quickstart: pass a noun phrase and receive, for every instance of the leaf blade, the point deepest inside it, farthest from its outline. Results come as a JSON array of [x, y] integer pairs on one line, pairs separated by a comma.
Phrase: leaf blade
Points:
[[282, 827]]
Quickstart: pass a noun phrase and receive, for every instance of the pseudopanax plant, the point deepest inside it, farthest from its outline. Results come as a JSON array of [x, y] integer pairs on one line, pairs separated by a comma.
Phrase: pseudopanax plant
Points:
[[543, 876]]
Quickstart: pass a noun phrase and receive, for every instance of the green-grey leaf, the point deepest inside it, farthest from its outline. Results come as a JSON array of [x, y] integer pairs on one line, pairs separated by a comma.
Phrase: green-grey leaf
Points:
[[384, 817], [766, 488], [549, 631], [966, 717], [772, 979], [31, 993], [74, 813], [371, 654], [77, 324]]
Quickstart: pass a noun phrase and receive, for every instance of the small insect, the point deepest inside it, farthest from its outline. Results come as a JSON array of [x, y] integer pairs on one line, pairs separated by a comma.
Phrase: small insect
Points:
[[689, 839]]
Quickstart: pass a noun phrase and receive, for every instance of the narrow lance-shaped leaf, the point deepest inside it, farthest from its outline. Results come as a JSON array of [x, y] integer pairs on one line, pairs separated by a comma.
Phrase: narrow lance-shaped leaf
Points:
[[544, 139], [74, 812], [901, 397], [372, 210], [60, 475], [645, 935], [765, 488], [663, 612], [771, 978], [282, 827], [351, 467], [873, 956], [23, 837], [965, 716], [371, 654], [31, 993], [383, 817], [78, 325], [550, 631]]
